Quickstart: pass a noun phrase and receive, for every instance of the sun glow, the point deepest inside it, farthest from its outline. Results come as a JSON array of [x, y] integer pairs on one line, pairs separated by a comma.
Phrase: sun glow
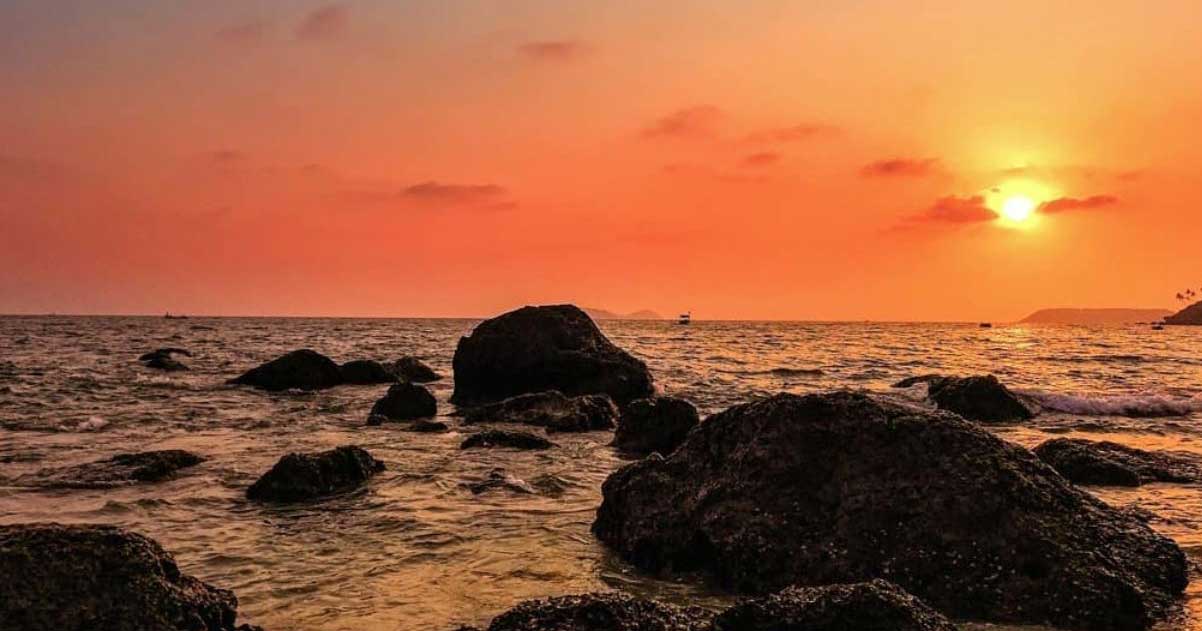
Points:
[[1018, 208]]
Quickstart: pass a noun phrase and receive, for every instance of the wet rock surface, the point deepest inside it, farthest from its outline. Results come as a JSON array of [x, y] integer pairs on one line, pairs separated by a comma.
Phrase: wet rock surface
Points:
[[658, 424], [302, 370], [552, 410], [405, 401], [162, 359], [424, 426], [534, 349], [89, 578], [983, 399], [599, 612], [414, 370], [871, 606], [1111, 464], [119, 470], [502, 438], [298, 477], [842, 488], [366, 372]]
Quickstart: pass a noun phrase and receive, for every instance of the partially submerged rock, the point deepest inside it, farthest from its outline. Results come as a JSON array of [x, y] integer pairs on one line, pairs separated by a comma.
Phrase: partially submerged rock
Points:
[[423, 426], [414, 370], [657, 424], [405, 401], [910, 382], [302, 370], [161, 359], [871, 606], [553, 410], [91, 577], [499, 480], [168, 351], [121, 470], [1111, 464], [364, 372], [534, 349], [599, 612], [982, 399], [501, 438], [298, 477], [842, 488]]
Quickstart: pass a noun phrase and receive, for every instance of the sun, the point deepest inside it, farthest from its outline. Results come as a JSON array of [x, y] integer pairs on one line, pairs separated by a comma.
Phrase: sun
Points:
[[1018, 208]]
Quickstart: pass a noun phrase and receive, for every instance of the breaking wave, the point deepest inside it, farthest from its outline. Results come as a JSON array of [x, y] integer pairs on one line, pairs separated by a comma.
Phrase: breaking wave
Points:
[[1135, 406]]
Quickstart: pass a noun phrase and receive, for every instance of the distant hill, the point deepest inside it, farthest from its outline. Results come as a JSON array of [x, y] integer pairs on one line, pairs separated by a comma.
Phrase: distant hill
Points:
[[602, 314], [1189, 315], [1095, 316]]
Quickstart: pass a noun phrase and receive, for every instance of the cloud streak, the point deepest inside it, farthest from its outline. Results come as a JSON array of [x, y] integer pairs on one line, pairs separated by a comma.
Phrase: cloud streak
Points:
[[1066, 204], [696, 122], [901, 167], [553, 50], [794, 133], [957, 210]]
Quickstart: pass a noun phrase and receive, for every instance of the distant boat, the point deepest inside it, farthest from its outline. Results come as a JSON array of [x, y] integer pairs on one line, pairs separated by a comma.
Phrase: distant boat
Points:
[[685, 318], [986, 325], [1157, 327], [168, 316]]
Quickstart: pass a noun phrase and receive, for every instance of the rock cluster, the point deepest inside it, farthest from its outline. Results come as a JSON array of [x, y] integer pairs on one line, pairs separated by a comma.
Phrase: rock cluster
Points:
[[841, 488], [534, 349], [301, 370], [552, 410], [121, 470]]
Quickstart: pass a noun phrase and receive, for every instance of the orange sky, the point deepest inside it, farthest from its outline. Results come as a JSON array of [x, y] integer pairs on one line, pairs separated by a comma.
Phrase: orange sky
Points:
[[763, 159]]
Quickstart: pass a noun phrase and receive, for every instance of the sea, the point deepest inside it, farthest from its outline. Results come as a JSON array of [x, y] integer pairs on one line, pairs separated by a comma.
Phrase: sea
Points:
[[416, 548]]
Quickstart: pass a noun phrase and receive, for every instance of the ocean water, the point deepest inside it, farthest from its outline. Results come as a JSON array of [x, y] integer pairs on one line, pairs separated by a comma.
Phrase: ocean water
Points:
[[416, 549]]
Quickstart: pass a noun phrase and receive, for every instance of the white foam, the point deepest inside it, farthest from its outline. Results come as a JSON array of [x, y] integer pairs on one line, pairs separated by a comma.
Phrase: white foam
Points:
[[93, 424], [1138, 405]]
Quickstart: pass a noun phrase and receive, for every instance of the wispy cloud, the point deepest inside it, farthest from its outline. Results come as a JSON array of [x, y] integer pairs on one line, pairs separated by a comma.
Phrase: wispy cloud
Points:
[[554, 50], [324, 23], [957, 210], [437, 195], [245, 34], [1065, 204], [794, 133], [761, 159], [696, 122], [901, 167]]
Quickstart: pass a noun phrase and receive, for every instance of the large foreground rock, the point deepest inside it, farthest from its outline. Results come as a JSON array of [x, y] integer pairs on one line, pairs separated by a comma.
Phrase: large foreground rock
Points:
[[120, 470], [544, 348], [841, 488], [599, 612], [303, 370], [414, 370], [553, 410], [1111, 464], [405, 401], [93, 578], [872, 606], [298, 477], [983, 399], [364, 372], [657, 424]]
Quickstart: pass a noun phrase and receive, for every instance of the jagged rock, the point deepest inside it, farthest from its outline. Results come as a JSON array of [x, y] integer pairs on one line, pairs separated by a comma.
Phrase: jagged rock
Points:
[[552, 410], [534, 349], [413, 370], [364, 372], [303, 370], [405, 401], [423, 426], [1111, 464], [982, 399], [655, 424], [842, 488], [500, 438], [872, 606], [92, 577], [298, 477], [600, 612], [120, 470]]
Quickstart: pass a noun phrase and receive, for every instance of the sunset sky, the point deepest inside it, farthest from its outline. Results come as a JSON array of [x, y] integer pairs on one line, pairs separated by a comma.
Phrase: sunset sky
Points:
[[760, 159]]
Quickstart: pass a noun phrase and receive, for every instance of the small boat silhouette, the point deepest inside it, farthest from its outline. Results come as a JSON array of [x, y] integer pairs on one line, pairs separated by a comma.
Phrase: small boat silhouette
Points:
[[1157, 327], [986, 325], [685, 318], [168, 316]]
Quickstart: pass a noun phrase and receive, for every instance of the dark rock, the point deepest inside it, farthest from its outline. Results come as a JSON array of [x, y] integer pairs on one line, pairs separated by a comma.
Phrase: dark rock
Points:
[[165, 362], [364, 372], [872, 606], [544, 348], [599, 612], [655, 424], [405, 401], [299, 477], [375, 420], [91, 577], [500, 438], [982, 399], [552, 410], [913, 381], [498, 479], [168, 351], [1189, 316], [1111, 464], [303, 370], [121, 470], [428, 427], [842, 488], [414, 370]]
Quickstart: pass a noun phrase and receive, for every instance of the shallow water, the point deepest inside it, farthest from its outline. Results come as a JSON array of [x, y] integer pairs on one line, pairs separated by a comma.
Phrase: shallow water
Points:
[[416, 549]]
